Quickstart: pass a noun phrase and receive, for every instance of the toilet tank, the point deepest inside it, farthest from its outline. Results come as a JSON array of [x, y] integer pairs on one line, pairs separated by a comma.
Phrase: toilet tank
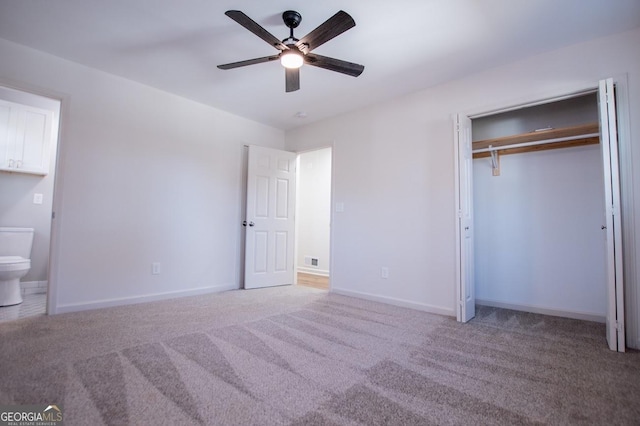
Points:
[[16, 242]]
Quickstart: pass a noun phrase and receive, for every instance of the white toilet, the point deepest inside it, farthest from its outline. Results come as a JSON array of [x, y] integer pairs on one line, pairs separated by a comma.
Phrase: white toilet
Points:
[[15, 251]]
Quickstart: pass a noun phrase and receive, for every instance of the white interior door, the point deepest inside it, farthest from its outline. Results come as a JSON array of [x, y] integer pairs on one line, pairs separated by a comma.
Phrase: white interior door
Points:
[[613, 223], [466, 306], [270, 224]]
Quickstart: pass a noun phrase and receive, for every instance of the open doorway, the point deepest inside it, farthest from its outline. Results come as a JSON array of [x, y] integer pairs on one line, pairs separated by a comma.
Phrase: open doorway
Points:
[[313, 218], [28, 151]]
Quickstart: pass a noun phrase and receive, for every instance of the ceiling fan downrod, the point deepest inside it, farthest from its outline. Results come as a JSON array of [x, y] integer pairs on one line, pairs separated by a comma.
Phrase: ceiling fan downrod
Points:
[[291, 19]]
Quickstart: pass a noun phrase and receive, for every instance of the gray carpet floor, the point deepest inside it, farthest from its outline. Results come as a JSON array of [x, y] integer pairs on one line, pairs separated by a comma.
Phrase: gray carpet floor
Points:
[[300, 356]]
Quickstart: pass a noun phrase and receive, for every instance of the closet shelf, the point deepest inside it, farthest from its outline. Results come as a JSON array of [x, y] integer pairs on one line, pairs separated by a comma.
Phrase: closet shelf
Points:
[[586, 134]]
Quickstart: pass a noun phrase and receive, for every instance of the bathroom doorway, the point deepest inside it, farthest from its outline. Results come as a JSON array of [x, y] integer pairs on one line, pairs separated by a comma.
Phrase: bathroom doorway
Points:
[[313, 218], [28, 153]]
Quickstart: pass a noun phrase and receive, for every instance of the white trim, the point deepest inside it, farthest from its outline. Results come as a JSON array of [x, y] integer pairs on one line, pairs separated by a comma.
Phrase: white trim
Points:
[[318, 148], [332, 212], [528, 101], [108, 303], [439, 310], [313, 271], [33, 287], [585, 316], [56, 209]]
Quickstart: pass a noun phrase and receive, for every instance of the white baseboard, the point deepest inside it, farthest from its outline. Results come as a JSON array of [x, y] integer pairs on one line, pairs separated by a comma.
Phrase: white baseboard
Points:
[[313, 271], [33, 287], [108, 303], [586, 316], [396, 302]]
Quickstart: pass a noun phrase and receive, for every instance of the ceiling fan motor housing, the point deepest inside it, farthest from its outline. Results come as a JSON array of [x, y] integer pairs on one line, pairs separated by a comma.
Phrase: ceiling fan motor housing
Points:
[[291, 18]]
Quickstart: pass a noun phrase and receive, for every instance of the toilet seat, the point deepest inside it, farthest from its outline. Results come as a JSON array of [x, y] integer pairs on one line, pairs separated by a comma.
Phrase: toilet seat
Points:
[[14, 263]]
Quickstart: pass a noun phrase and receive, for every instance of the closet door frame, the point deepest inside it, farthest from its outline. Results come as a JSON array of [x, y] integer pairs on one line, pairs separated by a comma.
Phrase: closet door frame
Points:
[[632, 293]]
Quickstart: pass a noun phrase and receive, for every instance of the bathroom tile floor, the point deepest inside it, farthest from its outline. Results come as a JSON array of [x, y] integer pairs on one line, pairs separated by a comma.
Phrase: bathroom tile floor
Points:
[[32, 305]]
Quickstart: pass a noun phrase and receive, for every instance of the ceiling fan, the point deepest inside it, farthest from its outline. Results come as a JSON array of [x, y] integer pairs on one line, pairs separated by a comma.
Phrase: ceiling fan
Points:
[[294, 52]]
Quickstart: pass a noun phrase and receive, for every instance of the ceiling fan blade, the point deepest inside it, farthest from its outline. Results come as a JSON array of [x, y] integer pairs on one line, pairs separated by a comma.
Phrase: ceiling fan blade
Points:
[[333, 64], [332, 27], [255, 28], [248, 62], [292, 79]]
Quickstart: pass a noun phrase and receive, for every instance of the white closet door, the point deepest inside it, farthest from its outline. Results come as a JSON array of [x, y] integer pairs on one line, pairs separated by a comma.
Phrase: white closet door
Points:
[[466, 306], [613, 225], [270, 237]]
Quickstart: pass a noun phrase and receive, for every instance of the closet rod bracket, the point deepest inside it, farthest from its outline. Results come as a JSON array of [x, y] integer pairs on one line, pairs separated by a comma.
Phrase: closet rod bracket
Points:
[[495, 161]]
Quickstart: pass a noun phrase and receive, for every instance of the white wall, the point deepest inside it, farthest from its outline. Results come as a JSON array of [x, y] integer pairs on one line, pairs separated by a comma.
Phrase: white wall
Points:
[[394, 171], [538, 242], [144, 176], [314, 210]]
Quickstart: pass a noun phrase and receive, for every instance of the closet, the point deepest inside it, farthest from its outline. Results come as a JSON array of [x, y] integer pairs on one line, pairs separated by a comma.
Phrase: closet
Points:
[[538, 191]]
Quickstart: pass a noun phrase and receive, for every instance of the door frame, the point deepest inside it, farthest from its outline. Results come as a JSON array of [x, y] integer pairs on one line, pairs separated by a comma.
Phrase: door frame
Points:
[[631, 290]]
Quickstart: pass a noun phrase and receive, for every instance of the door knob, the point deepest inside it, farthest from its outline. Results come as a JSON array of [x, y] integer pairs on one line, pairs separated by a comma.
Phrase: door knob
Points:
[[251, 223], [244, 223], [603, 227]]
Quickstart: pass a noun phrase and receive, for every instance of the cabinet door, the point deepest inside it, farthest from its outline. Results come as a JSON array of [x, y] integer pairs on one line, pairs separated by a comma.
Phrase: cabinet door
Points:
[[8, 119], [32, 141], [25, 138]]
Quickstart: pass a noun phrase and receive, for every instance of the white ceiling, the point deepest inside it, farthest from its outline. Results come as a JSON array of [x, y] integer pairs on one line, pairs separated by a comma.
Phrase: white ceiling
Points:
[[405, 45]]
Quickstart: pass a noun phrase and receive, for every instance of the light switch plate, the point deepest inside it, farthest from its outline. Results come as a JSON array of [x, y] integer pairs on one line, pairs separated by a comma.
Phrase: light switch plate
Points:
[[384, 272], [37, 198]]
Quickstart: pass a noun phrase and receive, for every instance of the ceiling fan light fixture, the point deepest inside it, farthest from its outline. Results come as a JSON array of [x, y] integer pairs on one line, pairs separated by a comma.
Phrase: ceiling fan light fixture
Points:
[[291, 58]]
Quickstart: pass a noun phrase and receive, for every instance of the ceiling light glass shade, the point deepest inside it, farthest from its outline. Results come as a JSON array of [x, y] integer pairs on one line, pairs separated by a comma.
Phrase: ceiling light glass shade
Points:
[[291, 59]]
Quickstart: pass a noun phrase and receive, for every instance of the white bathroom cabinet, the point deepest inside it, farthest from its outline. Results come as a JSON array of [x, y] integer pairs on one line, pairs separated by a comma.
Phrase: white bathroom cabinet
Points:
[[25, 138]]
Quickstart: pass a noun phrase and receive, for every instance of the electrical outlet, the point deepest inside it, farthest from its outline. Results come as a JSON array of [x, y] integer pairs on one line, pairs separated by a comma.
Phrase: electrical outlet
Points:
[[384, 272], [155, 268]]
